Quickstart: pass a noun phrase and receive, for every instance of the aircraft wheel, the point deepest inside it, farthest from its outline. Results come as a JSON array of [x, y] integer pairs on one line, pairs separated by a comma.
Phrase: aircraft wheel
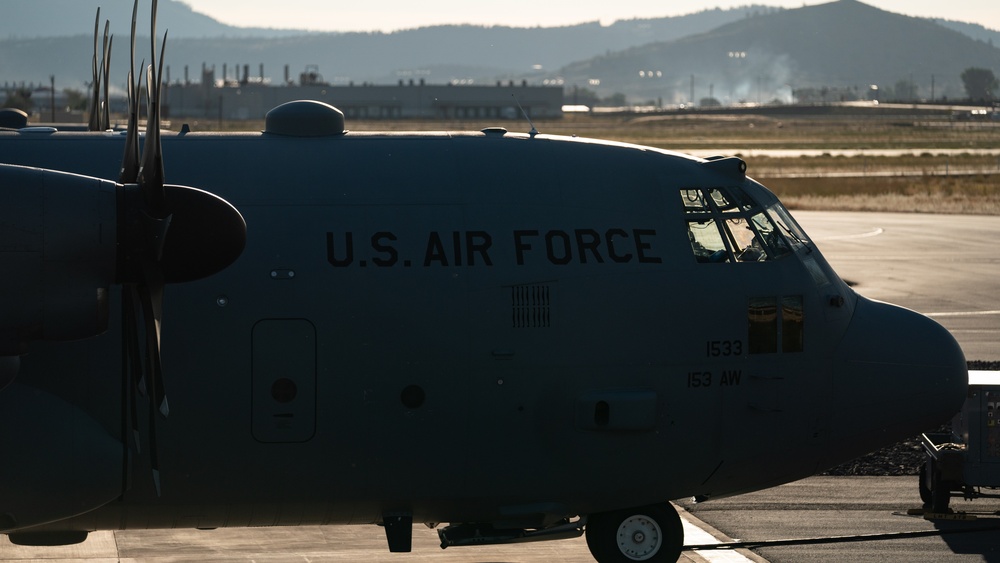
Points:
[[651, 533], [925, 490]]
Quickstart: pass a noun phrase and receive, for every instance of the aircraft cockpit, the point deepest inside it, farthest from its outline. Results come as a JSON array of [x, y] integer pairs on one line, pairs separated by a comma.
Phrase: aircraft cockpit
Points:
[[725, 225]]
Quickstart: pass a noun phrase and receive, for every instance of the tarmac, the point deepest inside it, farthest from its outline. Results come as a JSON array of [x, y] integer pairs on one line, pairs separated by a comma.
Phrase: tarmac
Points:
[[825, 507], [944, 266], [817, 507]]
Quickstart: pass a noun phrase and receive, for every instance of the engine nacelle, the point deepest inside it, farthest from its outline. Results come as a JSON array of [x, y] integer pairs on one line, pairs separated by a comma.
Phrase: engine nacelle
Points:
[[58, 461], [58, 237]]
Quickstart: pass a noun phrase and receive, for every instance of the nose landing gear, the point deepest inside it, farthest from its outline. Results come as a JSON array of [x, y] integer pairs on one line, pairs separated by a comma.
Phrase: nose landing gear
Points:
[[650, 533]]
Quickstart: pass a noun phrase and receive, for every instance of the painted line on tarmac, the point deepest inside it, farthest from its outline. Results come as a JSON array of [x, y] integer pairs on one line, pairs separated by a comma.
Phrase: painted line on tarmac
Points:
[[962, 314], [696, 532], [872, 233]]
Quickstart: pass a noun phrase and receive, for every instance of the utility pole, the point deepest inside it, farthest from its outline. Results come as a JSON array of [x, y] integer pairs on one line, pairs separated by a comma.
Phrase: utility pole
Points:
[[52, 96]]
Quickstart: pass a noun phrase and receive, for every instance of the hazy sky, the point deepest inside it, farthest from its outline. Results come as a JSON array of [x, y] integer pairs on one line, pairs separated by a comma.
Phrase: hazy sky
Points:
[[389, 15]]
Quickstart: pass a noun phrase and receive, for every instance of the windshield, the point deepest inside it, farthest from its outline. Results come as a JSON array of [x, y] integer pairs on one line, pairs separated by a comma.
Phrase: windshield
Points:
[[725, 225], [789, 228]]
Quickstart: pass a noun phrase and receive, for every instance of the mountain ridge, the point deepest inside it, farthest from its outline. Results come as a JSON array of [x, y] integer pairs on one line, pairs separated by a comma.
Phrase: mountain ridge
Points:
[[842, 44], [456, 52]]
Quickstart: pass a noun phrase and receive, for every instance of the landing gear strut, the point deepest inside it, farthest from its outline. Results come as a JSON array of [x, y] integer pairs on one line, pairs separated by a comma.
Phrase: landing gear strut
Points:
[[935, 492], [651, 533]]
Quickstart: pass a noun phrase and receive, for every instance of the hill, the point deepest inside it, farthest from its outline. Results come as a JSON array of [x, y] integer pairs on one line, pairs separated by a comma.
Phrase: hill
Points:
[[754, 53], [29, 19], [973, 30], [438, 54], [843, 44]]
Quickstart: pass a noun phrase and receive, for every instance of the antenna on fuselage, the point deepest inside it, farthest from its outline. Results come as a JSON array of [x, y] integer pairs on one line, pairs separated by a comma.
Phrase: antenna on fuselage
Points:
[[533, 131]]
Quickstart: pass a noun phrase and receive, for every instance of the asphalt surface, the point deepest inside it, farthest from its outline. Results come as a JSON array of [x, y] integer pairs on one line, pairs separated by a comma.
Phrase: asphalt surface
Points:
[[307, 544], [818, 507], [273, 545], [946, 266], [823, 507]]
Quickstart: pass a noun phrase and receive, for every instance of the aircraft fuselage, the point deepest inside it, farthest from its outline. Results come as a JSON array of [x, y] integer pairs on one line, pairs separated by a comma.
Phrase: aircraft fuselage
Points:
[[475, 327]]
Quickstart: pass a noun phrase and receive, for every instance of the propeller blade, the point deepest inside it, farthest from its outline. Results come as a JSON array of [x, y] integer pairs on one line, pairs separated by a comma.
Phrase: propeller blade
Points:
[[152, 28], [151, 171], [151, 297], [207, 236], [151, 174], [159, 71], [106, 70], [130, 159], [158, 171], [150, 286], [131, 51], [129, 173], [131, 362], [154, 456], [95, 100], [146, 174], [141, 251]]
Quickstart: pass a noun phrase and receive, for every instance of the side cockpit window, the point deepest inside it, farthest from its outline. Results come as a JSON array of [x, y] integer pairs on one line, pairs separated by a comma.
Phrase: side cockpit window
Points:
[[725, 225], [791, 230], [775, 320]]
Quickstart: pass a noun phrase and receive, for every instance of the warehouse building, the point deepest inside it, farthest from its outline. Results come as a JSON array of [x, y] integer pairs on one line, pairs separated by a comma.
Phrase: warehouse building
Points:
[[252, 98]]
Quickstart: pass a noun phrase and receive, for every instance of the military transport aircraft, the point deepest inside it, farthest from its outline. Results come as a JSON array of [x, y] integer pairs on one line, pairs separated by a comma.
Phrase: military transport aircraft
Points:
[[524, 336]]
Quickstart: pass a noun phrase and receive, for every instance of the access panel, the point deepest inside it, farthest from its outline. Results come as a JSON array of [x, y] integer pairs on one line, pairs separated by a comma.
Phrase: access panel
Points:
[[284, 380]]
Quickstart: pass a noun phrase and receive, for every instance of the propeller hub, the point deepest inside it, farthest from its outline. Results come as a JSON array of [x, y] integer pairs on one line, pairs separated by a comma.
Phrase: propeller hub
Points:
[[198, 234]]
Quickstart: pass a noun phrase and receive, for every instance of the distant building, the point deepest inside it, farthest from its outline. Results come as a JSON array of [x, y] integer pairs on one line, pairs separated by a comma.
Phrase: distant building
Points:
[[252, 98], [38, 101], [827, 94]]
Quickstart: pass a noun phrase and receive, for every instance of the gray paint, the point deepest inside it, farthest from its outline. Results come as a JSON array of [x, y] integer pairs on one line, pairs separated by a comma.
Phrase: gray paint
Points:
[[499, 429]]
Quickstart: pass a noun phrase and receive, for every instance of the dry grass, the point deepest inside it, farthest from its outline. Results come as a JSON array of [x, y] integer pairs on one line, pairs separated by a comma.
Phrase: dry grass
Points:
[[922, 163], [691, 131], [972, 195], [761, 132]]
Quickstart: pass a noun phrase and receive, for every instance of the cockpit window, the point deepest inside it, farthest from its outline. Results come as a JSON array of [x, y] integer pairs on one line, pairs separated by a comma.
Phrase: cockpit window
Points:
[[721, 200], [795, 235], [771, 238], [730, 200], [706, 241], [746, 244], [726, 225], [694, 201]]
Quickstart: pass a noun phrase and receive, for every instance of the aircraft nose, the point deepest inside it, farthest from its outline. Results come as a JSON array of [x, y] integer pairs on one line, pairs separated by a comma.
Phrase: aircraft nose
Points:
[[896, 373]]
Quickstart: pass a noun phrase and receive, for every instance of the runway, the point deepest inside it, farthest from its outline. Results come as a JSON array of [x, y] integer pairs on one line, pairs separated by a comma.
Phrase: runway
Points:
[[312, 544], [852, 506], [811, 508], [946, 266]]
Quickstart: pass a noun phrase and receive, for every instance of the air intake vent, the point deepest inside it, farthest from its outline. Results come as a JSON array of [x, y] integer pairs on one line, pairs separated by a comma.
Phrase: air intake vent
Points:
[[531, 306]]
